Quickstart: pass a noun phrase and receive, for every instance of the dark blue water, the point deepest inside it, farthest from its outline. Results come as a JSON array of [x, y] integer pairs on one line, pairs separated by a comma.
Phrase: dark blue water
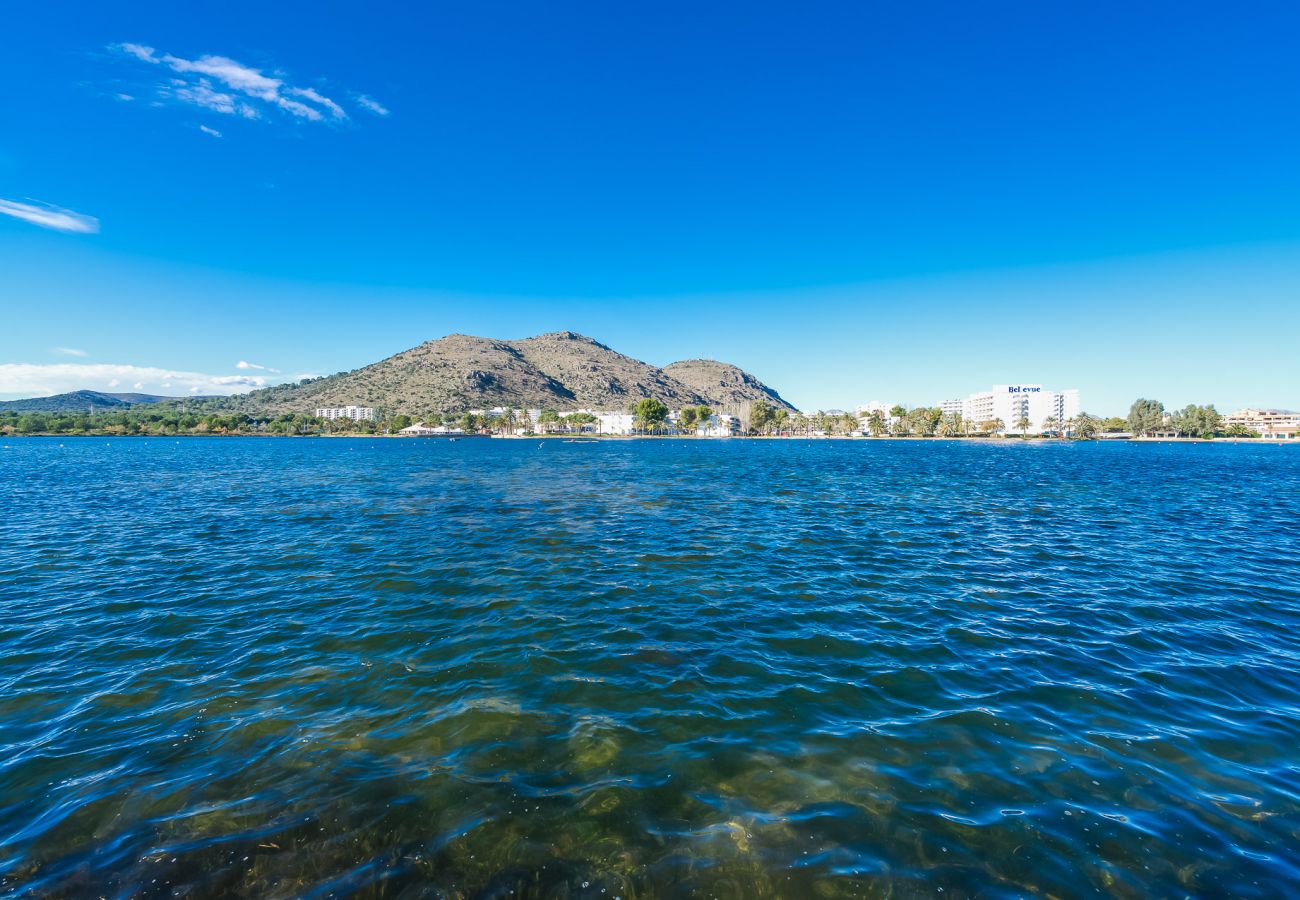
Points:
[[648, 669]]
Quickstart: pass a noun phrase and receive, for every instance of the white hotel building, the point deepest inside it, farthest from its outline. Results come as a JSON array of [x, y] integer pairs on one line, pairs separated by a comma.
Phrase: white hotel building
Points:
[[1011, 402], [356, 413]]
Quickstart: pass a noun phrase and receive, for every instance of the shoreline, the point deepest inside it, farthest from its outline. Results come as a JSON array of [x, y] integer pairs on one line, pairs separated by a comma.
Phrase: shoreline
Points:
[[592, 438]]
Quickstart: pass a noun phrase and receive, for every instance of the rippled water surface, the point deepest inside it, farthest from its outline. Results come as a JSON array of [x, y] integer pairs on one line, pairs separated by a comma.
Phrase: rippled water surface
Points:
[[482, 668]]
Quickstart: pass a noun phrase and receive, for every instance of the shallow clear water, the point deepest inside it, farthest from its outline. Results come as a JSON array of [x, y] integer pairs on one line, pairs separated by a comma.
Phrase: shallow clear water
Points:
[[648, 669]]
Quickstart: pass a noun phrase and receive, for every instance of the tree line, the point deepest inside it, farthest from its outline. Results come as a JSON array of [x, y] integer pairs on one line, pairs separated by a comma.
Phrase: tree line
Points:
[[922, 421], [156, 421], [1147, 418]]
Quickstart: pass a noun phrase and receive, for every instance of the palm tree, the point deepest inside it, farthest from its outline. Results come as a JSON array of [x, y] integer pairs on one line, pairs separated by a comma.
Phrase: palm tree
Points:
[[876, 422], [1051, 424], [1023, 425], [930, 418]]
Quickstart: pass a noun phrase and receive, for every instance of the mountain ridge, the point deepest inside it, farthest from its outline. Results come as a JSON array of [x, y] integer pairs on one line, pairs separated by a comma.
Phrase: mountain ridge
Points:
[[559, 369], [82, 401]]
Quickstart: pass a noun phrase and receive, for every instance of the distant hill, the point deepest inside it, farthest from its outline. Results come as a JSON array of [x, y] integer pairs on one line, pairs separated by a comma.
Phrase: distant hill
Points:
[[80, 401], [562, 370], [726, 384]]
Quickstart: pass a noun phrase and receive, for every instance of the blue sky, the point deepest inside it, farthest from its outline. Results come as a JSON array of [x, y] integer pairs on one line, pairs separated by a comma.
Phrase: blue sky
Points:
[[854, 203]]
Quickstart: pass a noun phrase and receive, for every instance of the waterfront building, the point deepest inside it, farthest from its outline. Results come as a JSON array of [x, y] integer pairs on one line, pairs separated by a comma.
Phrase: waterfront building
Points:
[[356, 413], [1009, 403], [1282, 424], [419, 429], [864, 411], [614, 423], [719, 425], [951, 407]]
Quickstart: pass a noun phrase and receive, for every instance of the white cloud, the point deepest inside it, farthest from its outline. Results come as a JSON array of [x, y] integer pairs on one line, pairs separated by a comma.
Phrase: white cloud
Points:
[[47, 216], [70, 351], [228, 86], [212, 131], [246, 381], [244, 364], [334, 109], [139, 51], [32, 380], [203, 95], [370, 104]]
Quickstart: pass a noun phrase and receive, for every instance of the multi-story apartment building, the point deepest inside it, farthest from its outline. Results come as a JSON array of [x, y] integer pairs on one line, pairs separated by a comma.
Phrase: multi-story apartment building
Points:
[[1268, 423], [346, 412]]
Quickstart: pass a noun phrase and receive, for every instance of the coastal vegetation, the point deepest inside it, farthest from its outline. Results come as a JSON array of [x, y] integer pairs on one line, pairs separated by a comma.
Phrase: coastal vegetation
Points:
[[160, 420], [649, 415], [693, 417], [1148, 418], [652, 416]]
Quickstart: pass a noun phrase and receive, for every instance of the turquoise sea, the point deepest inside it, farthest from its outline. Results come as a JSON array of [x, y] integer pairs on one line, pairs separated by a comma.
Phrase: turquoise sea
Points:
[[634, 669]]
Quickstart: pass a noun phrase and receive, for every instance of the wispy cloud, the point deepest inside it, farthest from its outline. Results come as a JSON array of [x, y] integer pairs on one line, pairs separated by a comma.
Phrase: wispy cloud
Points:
[[70, 351], [47, 216], [227, 86], [370, 104], [212, 131], [32, 380], [244, 364], [203, 95], [140, 52], [309, 94]]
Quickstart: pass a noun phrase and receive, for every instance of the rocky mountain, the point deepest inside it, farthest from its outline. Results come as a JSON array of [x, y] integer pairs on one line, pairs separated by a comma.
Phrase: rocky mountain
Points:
[[559, 371], [727, 385], [80, 401]]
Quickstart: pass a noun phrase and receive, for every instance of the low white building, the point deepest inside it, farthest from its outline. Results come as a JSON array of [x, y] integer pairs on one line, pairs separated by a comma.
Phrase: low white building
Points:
[[419, 429], [1009, 403], [613, 423], [719, 425], [1275, 424], [865, 410], [357, 413]]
